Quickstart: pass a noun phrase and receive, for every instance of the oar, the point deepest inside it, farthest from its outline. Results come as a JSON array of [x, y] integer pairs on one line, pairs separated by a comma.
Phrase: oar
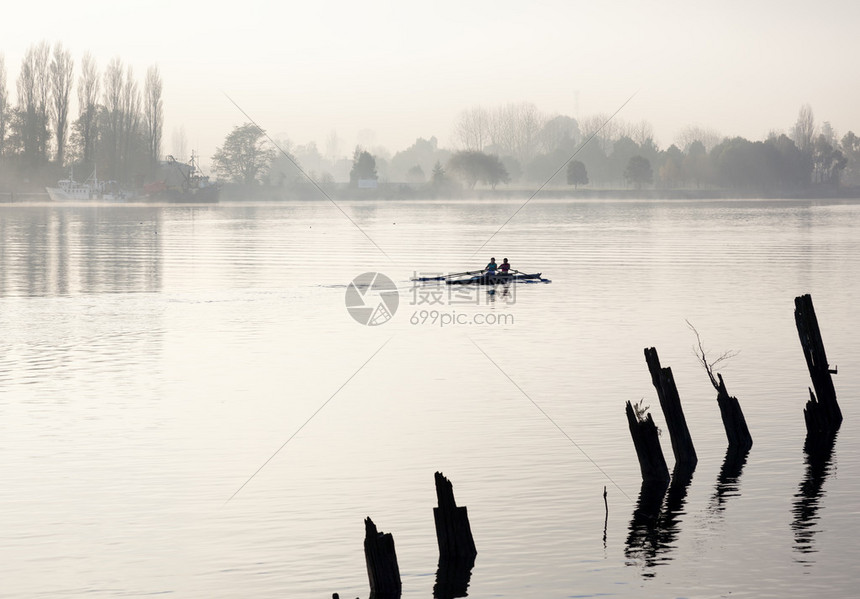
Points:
[[443, 277]]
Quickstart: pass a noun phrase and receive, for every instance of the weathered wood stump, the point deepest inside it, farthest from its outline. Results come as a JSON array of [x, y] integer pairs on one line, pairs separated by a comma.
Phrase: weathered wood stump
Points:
[[667, 392], [822, 412], [382, 569], [456, 545], [453, 532], [646, 440], [737, 432]]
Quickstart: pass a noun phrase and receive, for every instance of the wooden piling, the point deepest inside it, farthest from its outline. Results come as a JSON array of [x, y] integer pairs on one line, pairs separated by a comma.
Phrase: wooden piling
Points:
[[737, 432], [822, 412], [382, 569], [646, 440], [667, 392], [453, 532]]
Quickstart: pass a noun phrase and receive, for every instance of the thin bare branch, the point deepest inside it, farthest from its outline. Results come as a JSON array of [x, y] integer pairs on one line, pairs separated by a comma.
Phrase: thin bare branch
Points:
[[702, 356]]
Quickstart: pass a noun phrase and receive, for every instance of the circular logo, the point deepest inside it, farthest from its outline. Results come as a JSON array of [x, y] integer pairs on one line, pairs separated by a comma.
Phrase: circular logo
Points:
[[372, 299]]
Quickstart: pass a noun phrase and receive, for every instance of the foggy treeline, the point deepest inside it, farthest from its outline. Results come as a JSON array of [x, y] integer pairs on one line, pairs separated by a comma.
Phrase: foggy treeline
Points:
[[517, 144], [117, 127]]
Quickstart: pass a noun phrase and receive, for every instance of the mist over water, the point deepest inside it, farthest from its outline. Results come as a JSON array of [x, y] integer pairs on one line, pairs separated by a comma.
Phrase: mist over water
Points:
[[152, 358]]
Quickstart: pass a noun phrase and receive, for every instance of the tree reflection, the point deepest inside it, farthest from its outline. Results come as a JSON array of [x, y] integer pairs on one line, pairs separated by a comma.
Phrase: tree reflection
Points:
[[819, 454], [62, 250]]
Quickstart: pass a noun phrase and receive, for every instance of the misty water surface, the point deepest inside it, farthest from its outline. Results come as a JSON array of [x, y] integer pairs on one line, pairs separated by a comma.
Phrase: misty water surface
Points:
[[152, 358]]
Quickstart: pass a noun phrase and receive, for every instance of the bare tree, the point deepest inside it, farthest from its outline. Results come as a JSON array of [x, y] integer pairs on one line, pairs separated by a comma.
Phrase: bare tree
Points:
[[112, 101], [642, 132], [502, 124], [62, 73], [131, 118], [4, 105], [121, 128], [605, 130], [153, 113], [591, 124], [693, 133], [472, 129], [34, 90], [515, 130], [88, 94], [804, 129], [528, 125]]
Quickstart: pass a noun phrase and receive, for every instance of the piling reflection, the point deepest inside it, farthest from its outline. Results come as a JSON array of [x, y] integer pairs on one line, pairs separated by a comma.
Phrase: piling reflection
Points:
[[727, 482], [452, 578], [656, 522], [819, 454]]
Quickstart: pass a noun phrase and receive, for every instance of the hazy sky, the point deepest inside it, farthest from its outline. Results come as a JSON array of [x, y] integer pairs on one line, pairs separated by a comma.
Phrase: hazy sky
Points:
[[404, 70]]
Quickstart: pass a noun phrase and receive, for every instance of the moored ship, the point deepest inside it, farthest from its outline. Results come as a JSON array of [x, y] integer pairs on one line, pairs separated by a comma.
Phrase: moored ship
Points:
[[181, 182], [69, 190]]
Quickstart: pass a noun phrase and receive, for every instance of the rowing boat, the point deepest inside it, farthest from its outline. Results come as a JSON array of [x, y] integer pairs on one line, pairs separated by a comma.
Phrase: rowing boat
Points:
[[496, 279]]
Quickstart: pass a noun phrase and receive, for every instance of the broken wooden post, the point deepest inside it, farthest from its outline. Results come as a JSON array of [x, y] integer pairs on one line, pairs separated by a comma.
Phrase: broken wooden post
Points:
[[382, 569], [646, 440], [606, 517], [734, 423], [737, 432], [456, 545], [664, 383], [822, 413], [452, 523]]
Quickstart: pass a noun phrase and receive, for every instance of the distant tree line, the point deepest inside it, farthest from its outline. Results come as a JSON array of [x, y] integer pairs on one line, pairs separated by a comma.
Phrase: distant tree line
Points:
[[517, 144], [117, 128], [533, 147]]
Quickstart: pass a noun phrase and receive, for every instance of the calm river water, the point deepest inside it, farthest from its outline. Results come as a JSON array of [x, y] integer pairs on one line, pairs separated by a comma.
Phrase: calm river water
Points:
[[155, 359]]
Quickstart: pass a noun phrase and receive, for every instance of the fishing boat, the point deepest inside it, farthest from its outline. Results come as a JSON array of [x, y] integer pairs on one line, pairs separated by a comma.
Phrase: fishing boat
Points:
[[484, 278], [182, 182], [69, 190]]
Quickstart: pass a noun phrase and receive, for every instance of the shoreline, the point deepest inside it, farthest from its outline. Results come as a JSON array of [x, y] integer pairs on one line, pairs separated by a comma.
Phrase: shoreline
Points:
[[398, 192]]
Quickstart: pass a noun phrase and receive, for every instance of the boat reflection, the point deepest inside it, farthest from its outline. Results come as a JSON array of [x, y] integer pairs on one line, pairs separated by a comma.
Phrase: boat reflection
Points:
[[503, 291], [656, 522], [819, 454]]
